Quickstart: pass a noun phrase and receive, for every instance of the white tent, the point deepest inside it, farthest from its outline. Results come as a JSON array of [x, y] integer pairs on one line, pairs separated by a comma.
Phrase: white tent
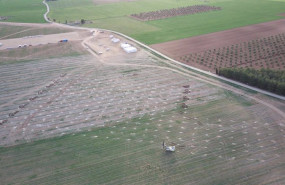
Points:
[[125, 45], [130, 49]]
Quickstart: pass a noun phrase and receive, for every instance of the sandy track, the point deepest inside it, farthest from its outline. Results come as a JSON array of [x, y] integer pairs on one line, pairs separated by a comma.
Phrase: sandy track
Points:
[[219, 39]]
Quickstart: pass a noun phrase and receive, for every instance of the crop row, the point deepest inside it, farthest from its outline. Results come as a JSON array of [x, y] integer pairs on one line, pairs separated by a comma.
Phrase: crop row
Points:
[[162, 14], [267, 52]]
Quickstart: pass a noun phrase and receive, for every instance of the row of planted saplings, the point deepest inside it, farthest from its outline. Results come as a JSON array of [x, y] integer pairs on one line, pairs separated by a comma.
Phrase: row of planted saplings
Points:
[[160, 14], [246, 52], [40, 92]]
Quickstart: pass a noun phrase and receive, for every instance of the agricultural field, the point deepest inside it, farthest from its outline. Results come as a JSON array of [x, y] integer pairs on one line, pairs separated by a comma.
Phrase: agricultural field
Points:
[[22, 11], [255, 46], [102, 120], [116, 16], [110, 122], [85, 112], [268, 53]]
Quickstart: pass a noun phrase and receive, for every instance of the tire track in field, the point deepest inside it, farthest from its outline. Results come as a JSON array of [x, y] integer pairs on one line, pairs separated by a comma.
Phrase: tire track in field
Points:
[[44, 105]]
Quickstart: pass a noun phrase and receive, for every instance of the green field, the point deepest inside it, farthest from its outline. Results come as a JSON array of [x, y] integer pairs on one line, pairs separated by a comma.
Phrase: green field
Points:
[[221, 142], [23, 10], [115, 16]]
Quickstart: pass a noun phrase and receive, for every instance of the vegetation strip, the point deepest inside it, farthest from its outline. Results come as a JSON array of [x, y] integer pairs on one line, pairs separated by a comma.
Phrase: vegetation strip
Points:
[[267, 79], [162, 14]]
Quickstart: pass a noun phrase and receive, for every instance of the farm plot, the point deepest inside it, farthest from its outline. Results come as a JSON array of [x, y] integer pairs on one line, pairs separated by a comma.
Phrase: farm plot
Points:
[[257, 46], [266, 52], [162, 14], [81, 93], [226, 141]]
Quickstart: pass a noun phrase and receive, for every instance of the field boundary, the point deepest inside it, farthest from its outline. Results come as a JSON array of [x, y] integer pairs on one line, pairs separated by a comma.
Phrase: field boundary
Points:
[[170, 59]]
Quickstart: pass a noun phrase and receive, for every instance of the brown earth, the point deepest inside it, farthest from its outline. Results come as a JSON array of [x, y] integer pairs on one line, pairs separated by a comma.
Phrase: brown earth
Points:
[[219, 39]]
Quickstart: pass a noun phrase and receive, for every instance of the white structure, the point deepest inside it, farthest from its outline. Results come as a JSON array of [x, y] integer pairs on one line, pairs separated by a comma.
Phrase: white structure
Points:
[[115, 40], [170, 148], [130, 49], [1, 44], [125, 45]]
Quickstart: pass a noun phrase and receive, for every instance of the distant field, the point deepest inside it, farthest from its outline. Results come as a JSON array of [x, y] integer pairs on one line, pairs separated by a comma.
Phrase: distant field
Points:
[[115, 16], [22, 10]]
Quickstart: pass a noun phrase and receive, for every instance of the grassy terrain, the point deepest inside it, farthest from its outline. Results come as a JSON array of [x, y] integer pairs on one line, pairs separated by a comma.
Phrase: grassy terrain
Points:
[[23, 10], [216, 144], [115, 16]]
